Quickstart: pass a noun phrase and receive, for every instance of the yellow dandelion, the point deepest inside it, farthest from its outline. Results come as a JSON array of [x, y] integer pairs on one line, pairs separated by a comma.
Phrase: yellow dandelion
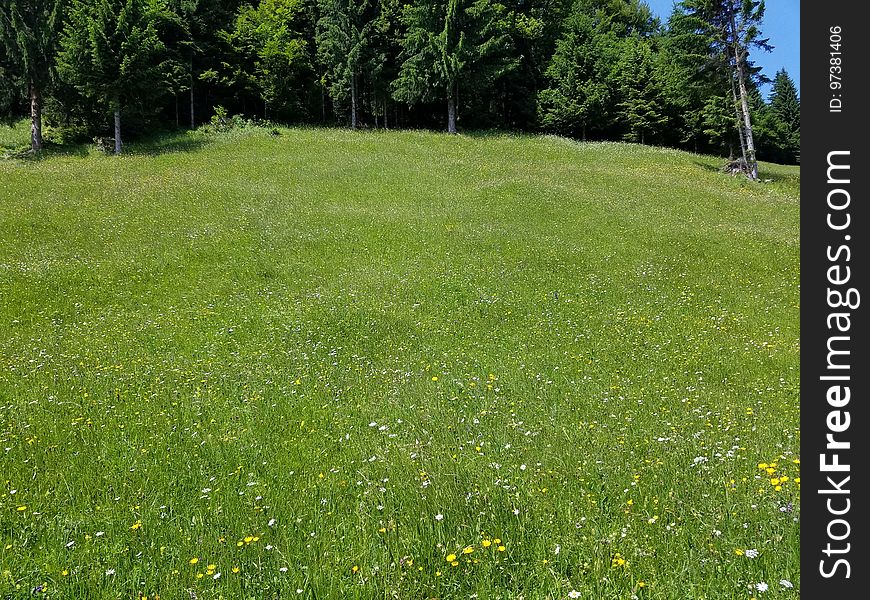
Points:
[[501, 548], [135, 526], [193, 560], [248, 539], [451, 558], [355, 569], [434, 378], [468, 550], [22, 508], [240, 543], [486, 543], [455, 563], [236, 569]]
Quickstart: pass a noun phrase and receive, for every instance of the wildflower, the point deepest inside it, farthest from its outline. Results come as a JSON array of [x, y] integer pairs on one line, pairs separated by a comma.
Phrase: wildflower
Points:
[[355, 569], [110, 572], [786, 583], [641, 584], [216, 576], [468, 550], [486, 543], [193, 560], [501, 548], [272, 522], [136, 526], [236, 569], [211, 567], [22, 508], [751, 553], [761, 586], [738, 551], [283, 569], [439, 517], [573, 594], [451, 557]]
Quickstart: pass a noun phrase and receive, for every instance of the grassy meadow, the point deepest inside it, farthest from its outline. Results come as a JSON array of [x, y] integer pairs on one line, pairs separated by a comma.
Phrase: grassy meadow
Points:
[[333, 364]]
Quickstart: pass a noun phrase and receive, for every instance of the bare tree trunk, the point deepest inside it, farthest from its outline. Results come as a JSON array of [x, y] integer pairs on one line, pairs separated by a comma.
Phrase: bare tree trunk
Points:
[[750, 143], [353, 121], [739, 117], [375, 107], [739, 56], [451, 110], [386, 112], [35, 118], [117, 126], [192, 120], [177, 124]]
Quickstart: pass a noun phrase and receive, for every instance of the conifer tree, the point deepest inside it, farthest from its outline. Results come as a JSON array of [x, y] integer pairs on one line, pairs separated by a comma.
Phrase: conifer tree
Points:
[[29, 34]]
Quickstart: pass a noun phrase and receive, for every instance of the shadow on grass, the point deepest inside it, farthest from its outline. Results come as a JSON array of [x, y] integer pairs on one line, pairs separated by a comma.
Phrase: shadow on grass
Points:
[[153, 145], [168, 143]]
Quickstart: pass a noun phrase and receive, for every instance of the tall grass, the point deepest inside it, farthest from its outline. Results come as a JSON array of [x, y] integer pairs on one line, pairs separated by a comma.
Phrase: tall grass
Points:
[[329, 364]]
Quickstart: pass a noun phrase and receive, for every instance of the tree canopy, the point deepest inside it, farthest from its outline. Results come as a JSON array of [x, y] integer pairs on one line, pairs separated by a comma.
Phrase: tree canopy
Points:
[[590, 69]]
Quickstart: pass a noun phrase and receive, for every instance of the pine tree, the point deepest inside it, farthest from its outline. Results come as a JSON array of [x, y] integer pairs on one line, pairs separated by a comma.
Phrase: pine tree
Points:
[[29, 34]]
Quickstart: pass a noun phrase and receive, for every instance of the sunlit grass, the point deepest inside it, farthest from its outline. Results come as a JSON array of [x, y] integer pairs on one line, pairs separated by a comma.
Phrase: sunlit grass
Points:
[[397, 365]]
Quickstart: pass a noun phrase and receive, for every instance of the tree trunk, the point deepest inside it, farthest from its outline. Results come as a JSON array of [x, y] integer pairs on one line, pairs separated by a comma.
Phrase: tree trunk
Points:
[[451, 111], [739, 56], [353, 101], [750, 143], [117, 127], [739, 118], [177, 124], [386, 111], [35, 118], [192, 120], [374, 105]]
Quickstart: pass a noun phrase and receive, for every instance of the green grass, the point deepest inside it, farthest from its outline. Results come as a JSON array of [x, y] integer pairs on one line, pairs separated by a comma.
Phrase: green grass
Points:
[[331, 359]]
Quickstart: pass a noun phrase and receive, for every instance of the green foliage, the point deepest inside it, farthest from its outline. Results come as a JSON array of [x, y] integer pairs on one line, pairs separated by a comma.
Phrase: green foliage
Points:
[[449, 46], [345, 37], [641, 91], [582, 76], [111, 51], [603, 69], [270, 54]]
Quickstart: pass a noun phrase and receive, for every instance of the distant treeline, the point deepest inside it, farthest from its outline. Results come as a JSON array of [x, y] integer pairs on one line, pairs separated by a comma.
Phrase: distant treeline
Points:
[[589, 69]]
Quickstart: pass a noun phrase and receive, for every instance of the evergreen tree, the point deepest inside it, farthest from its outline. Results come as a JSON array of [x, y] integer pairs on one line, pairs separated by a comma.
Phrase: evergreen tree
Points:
[[786, 106], [449, 45], [582, 80], [29, 33], [345, 33], [110, 51], [640, 87], [732, 26]]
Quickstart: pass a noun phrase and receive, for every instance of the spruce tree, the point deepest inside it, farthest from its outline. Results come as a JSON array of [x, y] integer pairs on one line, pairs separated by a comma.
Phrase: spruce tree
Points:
[[29, 33], [110, 51], [449, 45]]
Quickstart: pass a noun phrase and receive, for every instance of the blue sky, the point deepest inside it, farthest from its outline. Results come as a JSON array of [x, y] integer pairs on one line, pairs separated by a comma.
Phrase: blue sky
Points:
[[781, 24]]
